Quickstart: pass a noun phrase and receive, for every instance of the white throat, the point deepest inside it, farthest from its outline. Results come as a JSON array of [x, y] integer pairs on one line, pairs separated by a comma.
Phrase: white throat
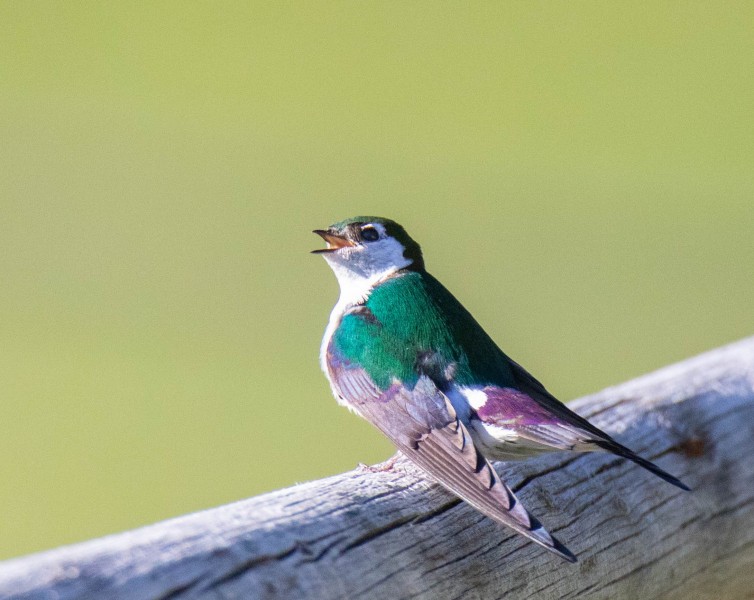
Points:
[[359, 268]]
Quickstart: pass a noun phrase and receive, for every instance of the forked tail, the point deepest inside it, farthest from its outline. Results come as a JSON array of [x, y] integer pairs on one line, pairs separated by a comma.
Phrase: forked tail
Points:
[[616, 448]]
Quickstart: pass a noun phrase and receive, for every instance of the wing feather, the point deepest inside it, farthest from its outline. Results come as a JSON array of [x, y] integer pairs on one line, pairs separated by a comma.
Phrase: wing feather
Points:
[[562, 428], [423, 425]]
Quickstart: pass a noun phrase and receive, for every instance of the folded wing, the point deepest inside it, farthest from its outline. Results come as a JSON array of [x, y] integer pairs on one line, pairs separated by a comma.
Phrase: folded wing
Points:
[[423, 425], [537, 416]]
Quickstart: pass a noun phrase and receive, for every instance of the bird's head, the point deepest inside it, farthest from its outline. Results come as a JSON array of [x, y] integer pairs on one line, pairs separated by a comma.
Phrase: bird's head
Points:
[[364, 250]]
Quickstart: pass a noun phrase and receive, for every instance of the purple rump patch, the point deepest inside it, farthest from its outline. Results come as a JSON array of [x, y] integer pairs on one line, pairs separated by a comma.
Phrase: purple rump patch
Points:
[[509, 406]]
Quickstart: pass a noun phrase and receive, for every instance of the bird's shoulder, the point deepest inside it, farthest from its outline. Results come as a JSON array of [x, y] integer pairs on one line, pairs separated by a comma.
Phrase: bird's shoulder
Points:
[[410, 324]]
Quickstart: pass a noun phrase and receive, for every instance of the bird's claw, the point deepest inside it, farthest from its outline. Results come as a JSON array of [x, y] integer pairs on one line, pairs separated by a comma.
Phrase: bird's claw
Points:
[[383, 467]]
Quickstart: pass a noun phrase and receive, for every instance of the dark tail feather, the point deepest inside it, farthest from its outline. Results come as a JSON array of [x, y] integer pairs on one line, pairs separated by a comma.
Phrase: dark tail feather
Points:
[[616, 448]]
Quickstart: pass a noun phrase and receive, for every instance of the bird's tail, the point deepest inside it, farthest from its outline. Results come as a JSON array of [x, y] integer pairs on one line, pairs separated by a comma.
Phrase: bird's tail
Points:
[[616, 448]]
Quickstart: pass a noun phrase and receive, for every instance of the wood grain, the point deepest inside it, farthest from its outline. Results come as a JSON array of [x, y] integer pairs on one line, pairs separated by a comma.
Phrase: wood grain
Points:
[[395, 535]]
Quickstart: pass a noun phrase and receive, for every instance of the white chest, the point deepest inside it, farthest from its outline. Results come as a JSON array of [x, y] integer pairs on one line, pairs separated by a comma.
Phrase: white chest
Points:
[[335, 317]]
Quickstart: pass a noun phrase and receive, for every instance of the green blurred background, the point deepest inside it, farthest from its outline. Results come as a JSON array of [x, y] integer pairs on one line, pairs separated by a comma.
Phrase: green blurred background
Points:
[[579, 174]]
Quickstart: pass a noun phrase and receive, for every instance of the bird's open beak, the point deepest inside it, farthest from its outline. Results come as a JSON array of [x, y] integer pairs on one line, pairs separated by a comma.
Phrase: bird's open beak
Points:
[[334, 242]]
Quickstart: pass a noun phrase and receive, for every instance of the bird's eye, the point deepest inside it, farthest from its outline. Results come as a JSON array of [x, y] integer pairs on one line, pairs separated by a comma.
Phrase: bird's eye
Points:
[[369, 234]]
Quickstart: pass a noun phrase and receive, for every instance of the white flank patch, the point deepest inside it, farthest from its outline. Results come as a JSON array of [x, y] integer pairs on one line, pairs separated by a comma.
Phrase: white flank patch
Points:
[[495, 441], [465, 400], [475, 397]]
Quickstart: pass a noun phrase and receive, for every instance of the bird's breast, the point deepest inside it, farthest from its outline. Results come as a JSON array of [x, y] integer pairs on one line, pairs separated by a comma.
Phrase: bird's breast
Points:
[[336, 316]]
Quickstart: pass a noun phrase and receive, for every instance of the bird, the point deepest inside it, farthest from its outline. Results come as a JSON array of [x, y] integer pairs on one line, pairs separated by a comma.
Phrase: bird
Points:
[[402, 352]]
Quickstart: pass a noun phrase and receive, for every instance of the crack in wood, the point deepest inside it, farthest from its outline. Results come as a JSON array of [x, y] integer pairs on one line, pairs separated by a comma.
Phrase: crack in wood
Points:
[[299, 547], [380, 581], [552, 469], [321, 554], [244, 567], [428, 516], [455, 559], [654, 561], [180, 590], [376, 533]]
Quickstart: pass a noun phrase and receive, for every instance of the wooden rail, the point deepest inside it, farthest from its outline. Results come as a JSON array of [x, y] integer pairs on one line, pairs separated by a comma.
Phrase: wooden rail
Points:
[[395, 535]]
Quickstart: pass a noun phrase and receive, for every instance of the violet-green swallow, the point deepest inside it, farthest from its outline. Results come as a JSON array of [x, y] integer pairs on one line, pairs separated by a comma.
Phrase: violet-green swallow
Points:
[[404, 354]]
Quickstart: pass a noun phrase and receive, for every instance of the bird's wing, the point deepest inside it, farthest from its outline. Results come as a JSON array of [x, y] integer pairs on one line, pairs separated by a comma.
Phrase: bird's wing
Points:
[[423, 425], [538, 416], [512, 409]]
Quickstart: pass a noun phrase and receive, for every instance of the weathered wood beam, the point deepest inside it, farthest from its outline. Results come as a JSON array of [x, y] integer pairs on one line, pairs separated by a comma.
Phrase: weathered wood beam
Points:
[[395, 535]]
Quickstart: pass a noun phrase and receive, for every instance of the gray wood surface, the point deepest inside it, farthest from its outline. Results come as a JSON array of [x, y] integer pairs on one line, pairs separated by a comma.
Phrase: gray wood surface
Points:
[[394, 535]]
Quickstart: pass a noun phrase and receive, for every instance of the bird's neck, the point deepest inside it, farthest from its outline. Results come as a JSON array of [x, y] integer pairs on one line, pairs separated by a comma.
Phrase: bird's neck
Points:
[[355, 287]]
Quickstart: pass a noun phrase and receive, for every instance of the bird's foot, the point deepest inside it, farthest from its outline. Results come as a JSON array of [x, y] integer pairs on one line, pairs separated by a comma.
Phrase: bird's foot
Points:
[[383, 467]]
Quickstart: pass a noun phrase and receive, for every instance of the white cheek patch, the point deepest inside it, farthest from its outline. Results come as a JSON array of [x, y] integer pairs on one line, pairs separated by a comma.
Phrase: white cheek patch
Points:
[[384, 256], [359, 268]]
